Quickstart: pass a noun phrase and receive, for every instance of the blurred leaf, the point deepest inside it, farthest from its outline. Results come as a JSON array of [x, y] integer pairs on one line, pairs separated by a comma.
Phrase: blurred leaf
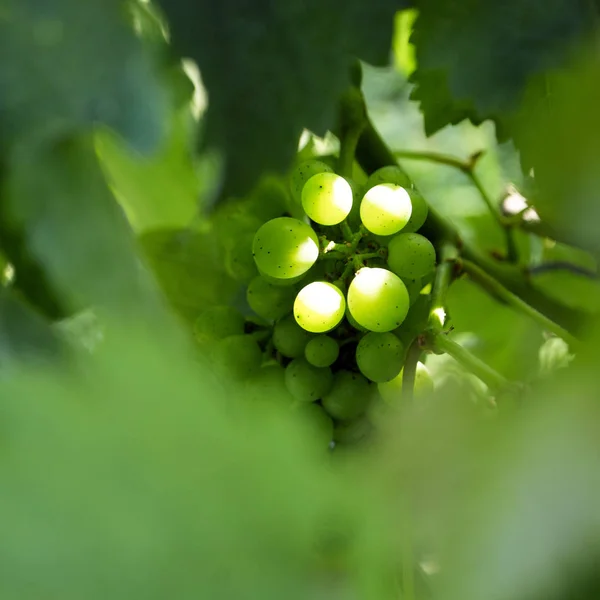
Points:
[[157, 191], [127, 479], [24, 334], [472, 310], [189, 269], [556, 132], [404, 51], [75, 229], [475, 58], [83, 65], [272, 69]]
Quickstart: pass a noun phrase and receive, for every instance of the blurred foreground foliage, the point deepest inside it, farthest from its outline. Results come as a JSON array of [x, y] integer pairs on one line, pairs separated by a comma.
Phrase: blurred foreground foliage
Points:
[[129, 468]]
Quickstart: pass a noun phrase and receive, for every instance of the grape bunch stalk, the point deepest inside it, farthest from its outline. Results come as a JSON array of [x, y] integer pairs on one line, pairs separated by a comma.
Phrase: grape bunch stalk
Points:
[[338, 288]]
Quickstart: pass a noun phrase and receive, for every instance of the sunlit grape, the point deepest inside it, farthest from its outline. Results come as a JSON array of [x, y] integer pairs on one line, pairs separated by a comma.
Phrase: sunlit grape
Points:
[[319, 306], [385, 209]]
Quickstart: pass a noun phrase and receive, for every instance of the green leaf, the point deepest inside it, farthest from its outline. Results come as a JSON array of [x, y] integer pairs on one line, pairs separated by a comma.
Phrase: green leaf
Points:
[[24, 334], [68, 64], [476, 58], [74, 228], [274, 68], [474, 311], [188, 268]]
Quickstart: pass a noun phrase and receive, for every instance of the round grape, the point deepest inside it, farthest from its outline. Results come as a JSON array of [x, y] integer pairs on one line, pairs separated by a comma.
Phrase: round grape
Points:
[[289, 338], [285, 248], [317, 421], [349, 396], [353, 321], [379, 356], [218, 322], [239, 263], [385, 209], [305, 382], [237, 356], [378, 299], [322, 351], [353, 431], [319, 306], [390, 174], [419, 212], [269, 301], [267, 387], [391, 391], [303, 172], [413, 287], [327, 198], [411, 255], [269, 199]]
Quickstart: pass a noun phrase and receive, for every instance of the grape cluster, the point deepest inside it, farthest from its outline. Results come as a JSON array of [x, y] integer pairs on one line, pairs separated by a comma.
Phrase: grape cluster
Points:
[[337, 279]]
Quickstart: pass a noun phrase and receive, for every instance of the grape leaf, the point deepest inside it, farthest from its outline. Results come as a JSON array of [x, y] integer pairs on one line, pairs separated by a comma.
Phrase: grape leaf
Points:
[[73, 227], [67, 64], [475, 58], [274, 68]]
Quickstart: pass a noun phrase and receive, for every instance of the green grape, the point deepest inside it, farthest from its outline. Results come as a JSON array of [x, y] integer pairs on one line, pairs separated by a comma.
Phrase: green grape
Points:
[[317, 421], [391, 391], [349, 396], [390, 174], [411, 255], [239, 356], [415, 322], [269, 301], [319, 306], [358, 191], [233, 220], [322, 351], [385, 209], [239, 263], [413, 287], [378, 299], [305, 382], [419, 212], [379, 356], [289, 338], [282, 282], [303, 172], [269, 199], [267, 387], [352, 431], [218, 322], [353, 321], [285, 248], [327, 198]]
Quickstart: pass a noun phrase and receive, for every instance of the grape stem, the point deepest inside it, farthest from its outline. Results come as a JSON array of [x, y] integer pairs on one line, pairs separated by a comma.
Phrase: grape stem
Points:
[[372, 153], [471, 363], [346, 231], [468, 168], [443, 277], [496, 289]]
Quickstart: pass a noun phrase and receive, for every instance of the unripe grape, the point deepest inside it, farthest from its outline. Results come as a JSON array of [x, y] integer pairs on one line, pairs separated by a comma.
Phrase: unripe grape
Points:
[[327, 198], [285, 248], [239, 263], [349, 396], [390, 174], [378, 299], [322, 351], [385, 209], [319, 307], [289, 338], [218, 322], [306, 382], [419, 212], [303, 172], [411, 255], [269, 301], [379, 356], [238, 356], [353, 431]]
